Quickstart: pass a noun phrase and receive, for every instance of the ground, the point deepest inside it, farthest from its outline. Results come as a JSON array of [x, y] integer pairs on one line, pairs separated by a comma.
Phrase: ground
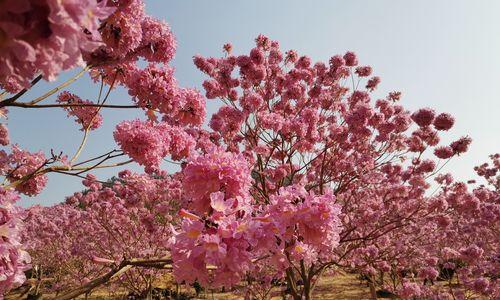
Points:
[[338, 287]]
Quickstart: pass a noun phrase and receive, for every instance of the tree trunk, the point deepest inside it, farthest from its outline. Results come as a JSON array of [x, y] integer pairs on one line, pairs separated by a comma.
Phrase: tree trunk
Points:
[[307, 291], [373, 290]]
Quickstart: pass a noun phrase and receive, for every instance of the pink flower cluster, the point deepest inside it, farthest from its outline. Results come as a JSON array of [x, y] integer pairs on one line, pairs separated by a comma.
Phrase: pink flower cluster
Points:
[[4, 135], [308, 224], [20, 167], [215, 171], [87, 116], [13, 259], [148, 143], [129, 33], [46, 37]]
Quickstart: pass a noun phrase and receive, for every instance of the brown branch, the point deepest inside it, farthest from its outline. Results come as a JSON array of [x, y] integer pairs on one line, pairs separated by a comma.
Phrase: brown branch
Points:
[[125, 264], [11, 100], [27, 105]]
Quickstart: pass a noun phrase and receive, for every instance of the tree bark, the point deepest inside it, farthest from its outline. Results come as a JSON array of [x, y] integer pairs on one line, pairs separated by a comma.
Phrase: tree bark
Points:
[[373, 290]]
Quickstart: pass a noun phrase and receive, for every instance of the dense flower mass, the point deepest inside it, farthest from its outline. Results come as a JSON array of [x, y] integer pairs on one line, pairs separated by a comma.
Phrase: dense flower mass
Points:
[[215, 171], [104, 224], [13, 259], [45, 37], [21, 169], [143, 141], [148, 143]]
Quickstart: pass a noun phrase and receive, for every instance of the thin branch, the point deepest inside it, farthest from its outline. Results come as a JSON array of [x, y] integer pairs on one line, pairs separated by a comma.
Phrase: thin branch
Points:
[[28, 105], [11, 100], [61, 86]]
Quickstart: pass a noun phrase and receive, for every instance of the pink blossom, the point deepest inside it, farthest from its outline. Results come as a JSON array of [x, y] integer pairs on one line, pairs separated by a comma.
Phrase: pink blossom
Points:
[[4, 135], [444, 152], [444, 121], [227, 121], [88, 116], [192, 110], [350, 59], [461, 145], [122, 31], [480, 285], [24, 166], [291, 56], [158, 43], [409, 290], [215, 171], [59, 32], [364, 71], [423, 117], [372, 83], [428, 273], [13, 259], [471, 253], [145, 142], [155, 88], [251, 102], [228, 47], [257, 56]]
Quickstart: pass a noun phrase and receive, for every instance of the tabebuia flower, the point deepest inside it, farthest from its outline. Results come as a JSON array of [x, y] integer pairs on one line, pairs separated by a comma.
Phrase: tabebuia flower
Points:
[[191, 110], [46, 37], [154, 88], [410, 290], [148, 143], [372, 83], [80, 239], [22, 171], [350, 59], [87, 116], [158, 42], [13, 259], [122, 31], [364, 71], [4, 135], [215, 171], [461, 145], [303, 216], [227, 121], [444, 121], [142, 141], [423, 117], [444, 152]]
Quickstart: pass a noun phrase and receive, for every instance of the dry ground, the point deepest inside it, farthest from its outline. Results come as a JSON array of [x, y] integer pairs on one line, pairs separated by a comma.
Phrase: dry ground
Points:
[[339, 287]]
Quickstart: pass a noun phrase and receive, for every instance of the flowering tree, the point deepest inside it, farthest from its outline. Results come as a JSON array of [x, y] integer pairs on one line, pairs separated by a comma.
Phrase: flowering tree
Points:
[[127, 218], [38, 40], [333, 174], [458, 245], [299, 171]]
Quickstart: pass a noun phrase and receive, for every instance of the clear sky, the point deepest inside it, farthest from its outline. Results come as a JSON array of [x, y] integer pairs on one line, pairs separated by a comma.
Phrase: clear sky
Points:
[[441, 54]]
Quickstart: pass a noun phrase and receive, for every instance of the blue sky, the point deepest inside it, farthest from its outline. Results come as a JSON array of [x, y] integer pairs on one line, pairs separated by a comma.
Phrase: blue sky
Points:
[[441, 54]]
